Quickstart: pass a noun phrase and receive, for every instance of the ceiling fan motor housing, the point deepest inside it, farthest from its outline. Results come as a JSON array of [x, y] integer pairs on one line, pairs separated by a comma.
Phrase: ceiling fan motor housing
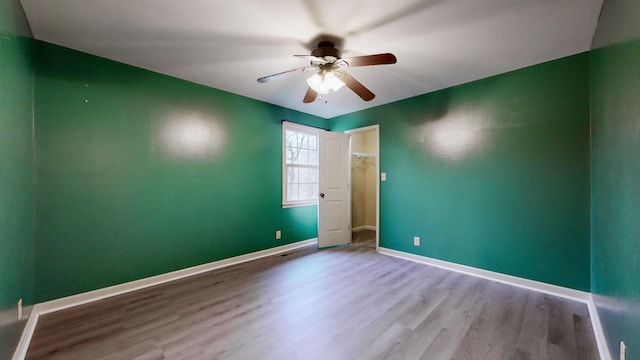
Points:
[[326, 49]]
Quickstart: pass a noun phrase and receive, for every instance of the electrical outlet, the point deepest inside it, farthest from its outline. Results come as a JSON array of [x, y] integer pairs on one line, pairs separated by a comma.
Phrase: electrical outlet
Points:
[[416, 240], [278, 235], [623, 351], [19, 309]]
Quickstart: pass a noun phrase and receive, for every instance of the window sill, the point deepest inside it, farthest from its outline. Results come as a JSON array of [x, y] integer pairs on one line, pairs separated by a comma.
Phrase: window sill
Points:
[[292, 205]]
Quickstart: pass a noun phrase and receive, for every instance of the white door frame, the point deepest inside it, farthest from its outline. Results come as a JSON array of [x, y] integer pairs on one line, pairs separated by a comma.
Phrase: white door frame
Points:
[[377, 129]]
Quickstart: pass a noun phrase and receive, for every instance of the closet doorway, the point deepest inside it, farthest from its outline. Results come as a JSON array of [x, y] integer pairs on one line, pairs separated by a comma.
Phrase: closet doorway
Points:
[[365, 186]]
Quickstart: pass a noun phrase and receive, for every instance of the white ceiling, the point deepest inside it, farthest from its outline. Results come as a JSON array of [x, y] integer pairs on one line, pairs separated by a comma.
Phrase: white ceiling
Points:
[[229, 44]]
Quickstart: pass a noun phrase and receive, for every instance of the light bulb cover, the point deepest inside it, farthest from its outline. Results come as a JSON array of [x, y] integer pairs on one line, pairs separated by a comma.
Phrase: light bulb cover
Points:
[[315, 82], [332, 82], [325, 82]]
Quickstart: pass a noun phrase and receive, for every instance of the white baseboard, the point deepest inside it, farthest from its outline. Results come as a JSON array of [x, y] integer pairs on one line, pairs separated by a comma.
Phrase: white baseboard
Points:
[[11, 328], [538, 286], [363, 227], [598, 331], [90, 296], [556, 290], [83, 298]]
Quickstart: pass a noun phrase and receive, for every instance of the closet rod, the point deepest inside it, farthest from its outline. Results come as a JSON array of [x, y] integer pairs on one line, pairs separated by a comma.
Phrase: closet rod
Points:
[[363, 154]]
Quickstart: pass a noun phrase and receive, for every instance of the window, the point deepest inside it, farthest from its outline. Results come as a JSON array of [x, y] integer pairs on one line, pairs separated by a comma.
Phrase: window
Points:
[[299, 165]]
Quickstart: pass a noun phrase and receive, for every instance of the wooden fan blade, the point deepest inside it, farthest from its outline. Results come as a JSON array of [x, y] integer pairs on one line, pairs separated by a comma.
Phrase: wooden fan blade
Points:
[[357, 87], [284, 74], [310, 96], [377, 59], [312, 58]]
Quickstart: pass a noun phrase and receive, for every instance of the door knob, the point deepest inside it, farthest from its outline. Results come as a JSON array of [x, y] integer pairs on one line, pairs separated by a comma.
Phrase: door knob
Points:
[[322, 195]]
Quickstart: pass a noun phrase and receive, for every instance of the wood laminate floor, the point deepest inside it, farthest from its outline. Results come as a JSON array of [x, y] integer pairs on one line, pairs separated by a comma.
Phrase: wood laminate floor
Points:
[[364, 238], [340, 303]]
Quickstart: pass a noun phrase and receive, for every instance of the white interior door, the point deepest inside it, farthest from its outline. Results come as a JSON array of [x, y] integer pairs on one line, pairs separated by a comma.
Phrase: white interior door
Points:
[[334, 209]]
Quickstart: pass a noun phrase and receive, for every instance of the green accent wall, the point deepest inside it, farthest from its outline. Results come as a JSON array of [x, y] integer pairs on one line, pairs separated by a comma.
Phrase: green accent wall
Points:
[[16, 172], [141, 174], [615, 174], [16, 162], [492, 174]]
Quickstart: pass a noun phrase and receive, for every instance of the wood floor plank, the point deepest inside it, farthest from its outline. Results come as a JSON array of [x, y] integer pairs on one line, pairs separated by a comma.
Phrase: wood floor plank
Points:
[[418, 341], [561, 332], [532, 338], [506, 328], [448, 339], [340, 303], [478, 339]]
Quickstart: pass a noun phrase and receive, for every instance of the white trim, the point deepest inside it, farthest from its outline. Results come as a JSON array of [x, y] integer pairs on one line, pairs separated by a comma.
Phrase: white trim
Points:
[[598, 331], [362, 129], [293, 205], [12, 327], [363, 227], [27, 334], [90, 296], [555, 290]]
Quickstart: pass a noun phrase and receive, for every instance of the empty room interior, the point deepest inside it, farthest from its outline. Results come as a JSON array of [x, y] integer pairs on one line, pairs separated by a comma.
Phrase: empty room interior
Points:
[[175, 185]]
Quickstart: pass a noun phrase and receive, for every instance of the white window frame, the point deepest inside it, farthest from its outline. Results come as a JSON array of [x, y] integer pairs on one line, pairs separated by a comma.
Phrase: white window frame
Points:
[[286, 125]]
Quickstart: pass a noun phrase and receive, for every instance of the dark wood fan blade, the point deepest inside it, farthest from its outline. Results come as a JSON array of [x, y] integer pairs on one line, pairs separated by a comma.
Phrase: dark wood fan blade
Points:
[[377, 59], [312, 58], [357, 87], [284, 74], [310, 96]]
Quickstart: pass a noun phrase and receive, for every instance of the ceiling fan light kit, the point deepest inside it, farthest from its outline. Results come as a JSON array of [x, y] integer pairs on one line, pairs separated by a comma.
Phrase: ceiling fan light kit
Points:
[[324, 82], [330, 75]]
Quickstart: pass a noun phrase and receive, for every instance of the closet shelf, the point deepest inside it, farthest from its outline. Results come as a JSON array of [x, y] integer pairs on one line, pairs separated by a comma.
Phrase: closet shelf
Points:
[[362, 154]]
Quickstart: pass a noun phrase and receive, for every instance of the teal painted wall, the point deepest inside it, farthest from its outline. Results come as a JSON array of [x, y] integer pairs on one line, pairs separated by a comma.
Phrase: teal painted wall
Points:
[[615, 174], [16, 160], [492, 174], [16, 172], [140, 174]]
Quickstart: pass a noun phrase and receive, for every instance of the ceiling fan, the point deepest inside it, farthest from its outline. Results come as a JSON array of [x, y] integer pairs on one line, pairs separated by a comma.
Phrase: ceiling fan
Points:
[[330, 74]]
